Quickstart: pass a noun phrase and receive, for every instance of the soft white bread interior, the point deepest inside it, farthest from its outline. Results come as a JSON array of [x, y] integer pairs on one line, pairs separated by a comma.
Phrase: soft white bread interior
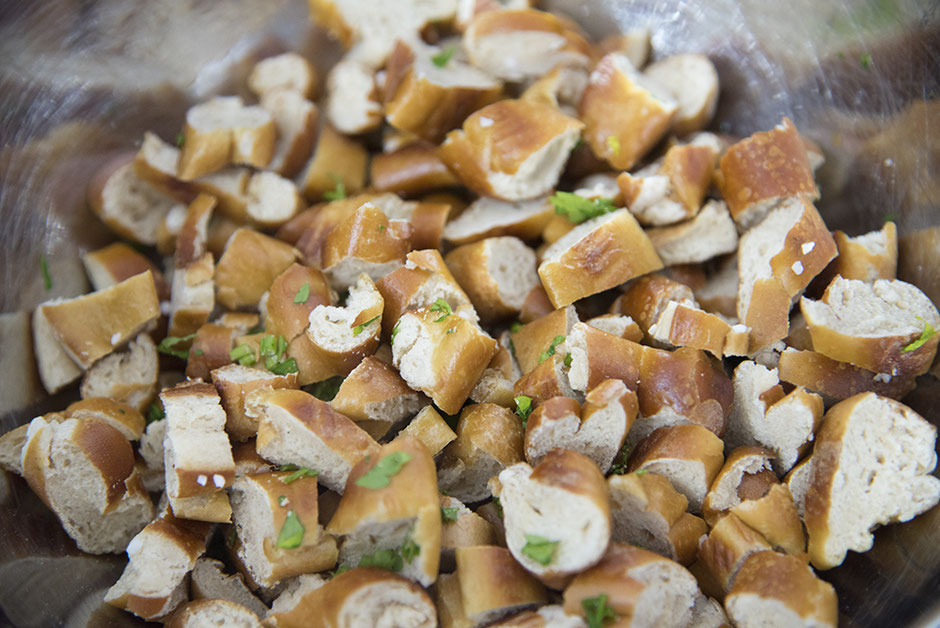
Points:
[[490, 217], [352, 104], [773, 590], [56, 368], [692, 80], [128, 376], [402, 517], [287, 71], [153, 584], [127, 204], [376, 397], [210, 581], [643, 587], [871, 466], [202, 613], [296, 119], [295, 427], [562, 501], [153, 474], [234, 383], [709, 234], [872, 325]]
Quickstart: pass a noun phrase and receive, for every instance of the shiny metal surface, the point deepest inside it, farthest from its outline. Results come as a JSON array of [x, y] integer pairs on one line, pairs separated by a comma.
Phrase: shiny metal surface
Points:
[[80, 79]]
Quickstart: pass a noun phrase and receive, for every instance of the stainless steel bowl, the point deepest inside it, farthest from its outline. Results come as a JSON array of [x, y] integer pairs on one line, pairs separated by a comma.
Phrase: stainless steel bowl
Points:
[[81, 79]]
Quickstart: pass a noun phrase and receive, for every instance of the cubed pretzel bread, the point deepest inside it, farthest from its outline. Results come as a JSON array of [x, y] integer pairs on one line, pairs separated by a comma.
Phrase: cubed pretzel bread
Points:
[[693, 81], [367, 241], [234, 384], [336, 159], [430, 428], [288, 71], [709, 234], [128, 376], [209, 581], [112, 264], [489, 217], [410, 170], [250, 263], [376, 397], [200, 613], [352, 98]]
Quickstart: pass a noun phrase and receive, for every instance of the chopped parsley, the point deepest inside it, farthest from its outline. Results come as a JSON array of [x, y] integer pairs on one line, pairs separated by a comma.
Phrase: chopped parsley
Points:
[[568, 359], [410, 550], [155, 413], [539, 549], [557, 340], [441, 306], [272, 350], [596, 611], [925, 335], [339, 188], [499, 506], [381, 228], [381, 474], [383, 559], [292, 532], [326, 390], [516, 326], [449, 513], [395, 331], [578, 209], [523, 408], [46, 277], [865, 60], [243, 354], [168, 344], [619, 468], [642, 471], [299, 473], [358, 329], [891, 217], [442, 58], [613, 143], [303, 294], [180, 138]]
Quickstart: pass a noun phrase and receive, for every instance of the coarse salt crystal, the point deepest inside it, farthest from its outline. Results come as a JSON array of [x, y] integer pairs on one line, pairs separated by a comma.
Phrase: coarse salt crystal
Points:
[[486, 122], [797, 268], [808, 247], [115, 338], [201, 480], [218, 480]]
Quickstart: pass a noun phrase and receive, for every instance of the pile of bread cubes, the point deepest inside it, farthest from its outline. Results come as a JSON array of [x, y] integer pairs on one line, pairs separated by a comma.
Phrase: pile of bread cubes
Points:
[[449, 392]]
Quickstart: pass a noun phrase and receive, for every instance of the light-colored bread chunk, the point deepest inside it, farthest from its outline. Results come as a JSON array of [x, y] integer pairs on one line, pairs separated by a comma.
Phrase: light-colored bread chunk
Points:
[[746, 474], [130, 206], [127, 376], [692, 81], [775, 591], [122, 417], [366, 596], [210, 581], [765, 416], [489, 217], [564, 501], [153, 584], [625, 112], [352, 102], [367, 241], [202, 613], [282, 316], [871, 466], [868, 257], [431, 429], [153, 474], [642, 587], [197, 455], [224, 131], [296, 119], [295, 427], [497, 274], [525, 43], [270, 200], [489, 439], [532, 342], [596, 255], [116, 262], [646, 298], [729, 543], [775, 516], [84, 471], [561, 88], [799, 480], [649, 513], [596, 429], [234, 383], [411, 170], [461, 527], [681, 325], [192, 292], [404, 516], [11, 448], [336, 158], [443, 355], [690, 456], [512, 150], [836, 380], [874, 325], [376, 397], [266, 508], [709, 234], [287, 71], [250, 263], [618, 325], [764, 170], [91, 326], [777, 259], [496, 384]]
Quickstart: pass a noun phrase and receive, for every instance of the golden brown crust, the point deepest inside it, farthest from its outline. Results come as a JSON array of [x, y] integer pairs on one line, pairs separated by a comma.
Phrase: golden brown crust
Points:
[[534, 338], [856, 261], [368, 235], [206, 151], [410, 170], [486, 429], [611, 254], [680, 442], [498, 138], [838, 380], [371, 383], [775, 517], [767, 314], [335, 155], [191, 240], [646, 297], [285, 317], [126, 419], [490, 579], [695, 328], [751, 466], [233, 389], [611, 357], [728, 544], [789, 580], [110, 452], [767, 165], [614, 106], [470, 266], [210, 350], [116, 262], [430, 428], [251, 262]]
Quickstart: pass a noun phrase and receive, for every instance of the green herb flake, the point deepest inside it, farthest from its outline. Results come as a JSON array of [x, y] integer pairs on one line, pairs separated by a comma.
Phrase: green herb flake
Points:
[[441, 306], [449, 513], [619, 468], [168, 344], [292, 532], [381, 474], [326, 390], [596, 611], [568, 359], [551, 348], [642, 471], [44, 268], [299, 473], [523, 408], [338, 192], [925, 335], [381, 228], [410, 550], [865, 60], [577, 209], [383, 559], [303, 294], [499, 506], [285, 368], [199, 352], [288, 467], [339, 570], [395, 331], [155, 413], [613, 143], [243, 354], [891, 217], [358, 329], [442, 58], [180, 138], [539, 549], [516, 326]]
